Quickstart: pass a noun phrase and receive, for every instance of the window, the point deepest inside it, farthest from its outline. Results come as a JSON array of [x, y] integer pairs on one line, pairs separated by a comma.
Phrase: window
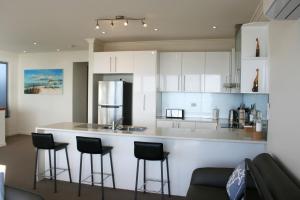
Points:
[[3, 86]]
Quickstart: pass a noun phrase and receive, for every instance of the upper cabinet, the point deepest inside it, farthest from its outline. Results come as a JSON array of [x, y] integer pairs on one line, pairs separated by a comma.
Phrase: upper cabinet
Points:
[[250, 62], [195, 71], [193, 68], [113, 62], [170, 71], [217, 71]]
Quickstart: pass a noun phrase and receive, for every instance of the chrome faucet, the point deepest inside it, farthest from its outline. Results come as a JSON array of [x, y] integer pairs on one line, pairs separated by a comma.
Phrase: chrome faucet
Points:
[[116, 124]]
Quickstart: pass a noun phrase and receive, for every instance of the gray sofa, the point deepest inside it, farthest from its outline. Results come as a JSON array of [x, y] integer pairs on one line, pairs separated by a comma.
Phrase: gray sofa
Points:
[[266, 180], [12, 193]]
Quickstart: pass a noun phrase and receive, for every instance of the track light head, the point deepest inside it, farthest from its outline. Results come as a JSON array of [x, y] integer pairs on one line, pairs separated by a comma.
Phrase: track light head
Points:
[[144, 24], [112, 23], [126, 23], [97, 25]]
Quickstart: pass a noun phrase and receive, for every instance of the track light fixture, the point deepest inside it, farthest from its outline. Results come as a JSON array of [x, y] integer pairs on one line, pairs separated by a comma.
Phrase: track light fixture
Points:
[[120, 18]]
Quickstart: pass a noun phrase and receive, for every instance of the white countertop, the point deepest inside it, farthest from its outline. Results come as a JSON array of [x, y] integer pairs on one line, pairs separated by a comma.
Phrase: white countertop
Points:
[[197, 119], [219, 135]]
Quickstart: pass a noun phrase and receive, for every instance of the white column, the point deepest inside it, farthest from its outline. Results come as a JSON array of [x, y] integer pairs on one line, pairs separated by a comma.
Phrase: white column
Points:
[[2, 128]]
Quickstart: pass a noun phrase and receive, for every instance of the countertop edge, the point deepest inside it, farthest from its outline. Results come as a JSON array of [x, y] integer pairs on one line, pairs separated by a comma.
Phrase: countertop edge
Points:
[[161, 137]]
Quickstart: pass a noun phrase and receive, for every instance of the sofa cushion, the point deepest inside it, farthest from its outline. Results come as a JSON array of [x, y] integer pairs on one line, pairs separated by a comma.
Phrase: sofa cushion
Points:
[[209, 176], [12, 193], [236, 184]]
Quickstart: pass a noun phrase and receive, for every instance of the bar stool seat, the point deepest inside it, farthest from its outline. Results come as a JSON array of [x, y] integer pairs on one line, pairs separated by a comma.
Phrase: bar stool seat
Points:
[[59, 146], [88, 145]]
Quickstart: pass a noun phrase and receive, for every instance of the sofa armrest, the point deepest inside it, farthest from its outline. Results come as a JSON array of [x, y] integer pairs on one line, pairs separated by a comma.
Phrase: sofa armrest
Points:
[[216, 177], [12, 193]]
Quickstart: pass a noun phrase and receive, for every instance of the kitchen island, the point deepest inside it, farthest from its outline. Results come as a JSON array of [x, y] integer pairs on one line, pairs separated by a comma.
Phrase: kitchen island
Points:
[[189, 149]]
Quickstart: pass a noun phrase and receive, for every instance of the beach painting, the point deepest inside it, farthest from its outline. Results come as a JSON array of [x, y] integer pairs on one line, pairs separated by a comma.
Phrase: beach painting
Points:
[[43, 81]]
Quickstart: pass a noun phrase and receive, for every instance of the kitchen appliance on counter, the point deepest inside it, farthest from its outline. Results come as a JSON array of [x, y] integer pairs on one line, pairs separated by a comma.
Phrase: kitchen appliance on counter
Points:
[[114, 102], [175, 113]]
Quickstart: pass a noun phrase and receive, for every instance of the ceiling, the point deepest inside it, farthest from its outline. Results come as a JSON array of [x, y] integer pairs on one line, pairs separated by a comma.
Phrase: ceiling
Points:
[[64, 24]]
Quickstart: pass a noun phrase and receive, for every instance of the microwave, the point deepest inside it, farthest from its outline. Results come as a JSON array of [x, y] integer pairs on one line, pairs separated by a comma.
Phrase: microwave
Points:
[[175, 113]]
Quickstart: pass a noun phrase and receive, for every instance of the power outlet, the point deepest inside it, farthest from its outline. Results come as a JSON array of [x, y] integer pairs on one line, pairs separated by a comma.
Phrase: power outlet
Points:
[[193, 105]]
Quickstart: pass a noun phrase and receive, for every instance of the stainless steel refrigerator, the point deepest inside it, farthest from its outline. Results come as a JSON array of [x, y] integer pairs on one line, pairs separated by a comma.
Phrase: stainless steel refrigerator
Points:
[[114, 102]]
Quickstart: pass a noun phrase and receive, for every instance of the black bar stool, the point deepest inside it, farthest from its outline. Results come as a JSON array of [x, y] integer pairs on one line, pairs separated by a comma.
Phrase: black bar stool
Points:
[[151, 152], [94, 146], [45, 141]]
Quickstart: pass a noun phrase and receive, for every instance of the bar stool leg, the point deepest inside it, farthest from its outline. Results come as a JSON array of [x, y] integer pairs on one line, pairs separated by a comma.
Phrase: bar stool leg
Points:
[[102, 182], [80, 168], [144, 176], [136, 179], [112, 171], [92, 171], [49, 152], [69, 170], [35, 168], [162, 179], [168, 176], [55, 187]]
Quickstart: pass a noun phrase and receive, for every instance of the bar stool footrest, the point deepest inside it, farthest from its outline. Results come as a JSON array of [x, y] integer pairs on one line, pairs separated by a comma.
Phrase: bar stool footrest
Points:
[[59, 171], [141, 188], [105, 176]]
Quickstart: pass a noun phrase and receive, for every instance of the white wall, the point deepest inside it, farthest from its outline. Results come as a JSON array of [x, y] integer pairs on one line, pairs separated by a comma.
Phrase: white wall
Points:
[[284, 135], [12, 60], [34, 110], [173, 45]]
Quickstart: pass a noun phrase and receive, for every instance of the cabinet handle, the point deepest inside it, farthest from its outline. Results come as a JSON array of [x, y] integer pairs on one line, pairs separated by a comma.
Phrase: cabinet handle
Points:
[[178, 83], [184, 83], [178, 124], [109, 63], [144, 103], [115, 63]]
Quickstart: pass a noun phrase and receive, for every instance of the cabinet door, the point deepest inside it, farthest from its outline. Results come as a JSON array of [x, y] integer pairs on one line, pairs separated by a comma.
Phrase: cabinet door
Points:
[[102, 62], [193, 71], [164, 124], [122, 62], [186, 124], [144, 89], [170, 71], [206, 125], [217, 71], [248, 74]]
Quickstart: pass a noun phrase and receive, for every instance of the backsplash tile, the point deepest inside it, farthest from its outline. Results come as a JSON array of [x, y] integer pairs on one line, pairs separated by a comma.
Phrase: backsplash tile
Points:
[[202, 104]]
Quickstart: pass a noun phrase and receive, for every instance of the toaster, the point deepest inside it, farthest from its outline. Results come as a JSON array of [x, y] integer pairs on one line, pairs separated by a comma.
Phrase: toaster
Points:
[[175, 113]]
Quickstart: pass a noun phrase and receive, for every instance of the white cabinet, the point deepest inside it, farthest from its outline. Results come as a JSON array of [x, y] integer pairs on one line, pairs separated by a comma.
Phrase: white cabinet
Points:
[[195, 71], [193, 64], [217, 71], [170, 71], [206, 125], [113, 62], [144, 88], [169, 123], [186, 124]]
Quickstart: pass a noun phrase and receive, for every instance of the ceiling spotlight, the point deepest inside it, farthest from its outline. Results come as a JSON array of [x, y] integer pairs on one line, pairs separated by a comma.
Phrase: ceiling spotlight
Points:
[[214, 27], [126, 23], [24, 51], [144, 24], [156, 29], [97, 25], [58, 50], [103, 32], [35, 43], [112, 23]]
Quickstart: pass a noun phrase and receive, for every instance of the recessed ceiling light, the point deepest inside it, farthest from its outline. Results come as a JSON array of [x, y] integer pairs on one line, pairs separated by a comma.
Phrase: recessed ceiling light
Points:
[[24, 51], [156, 29], [214, 27], [57, 50], [35, 43], [103, 32]]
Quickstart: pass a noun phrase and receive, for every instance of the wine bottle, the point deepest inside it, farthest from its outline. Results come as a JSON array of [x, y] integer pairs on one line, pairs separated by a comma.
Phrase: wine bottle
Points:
[[257, 48], [255, 82]]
